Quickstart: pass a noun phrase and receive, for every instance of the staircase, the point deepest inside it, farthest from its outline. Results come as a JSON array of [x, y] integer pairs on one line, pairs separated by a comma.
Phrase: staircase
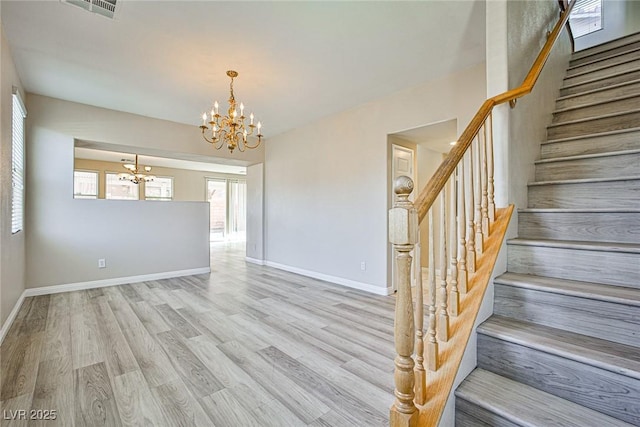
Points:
[[563, 345]]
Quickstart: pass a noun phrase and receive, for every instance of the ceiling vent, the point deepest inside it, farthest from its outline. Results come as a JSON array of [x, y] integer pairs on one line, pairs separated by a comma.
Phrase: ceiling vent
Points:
[[105, 8]]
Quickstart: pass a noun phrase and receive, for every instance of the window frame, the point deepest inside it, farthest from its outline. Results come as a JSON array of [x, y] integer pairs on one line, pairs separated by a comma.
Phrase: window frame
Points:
[[163, 199], [97, 174], [18, 111], [106, 186]]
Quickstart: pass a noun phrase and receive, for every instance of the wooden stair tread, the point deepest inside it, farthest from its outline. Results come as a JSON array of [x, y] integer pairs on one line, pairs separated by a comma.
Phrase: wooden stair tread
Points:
[[597, 79], [580, 210], [588, 119], [596, 90], [592, 135], [587, 156], [611, 356], [609, 45], [579, 245], [596, 291], [604, 67], [584, 180], [604, 58], [527, 406], [594, 103]]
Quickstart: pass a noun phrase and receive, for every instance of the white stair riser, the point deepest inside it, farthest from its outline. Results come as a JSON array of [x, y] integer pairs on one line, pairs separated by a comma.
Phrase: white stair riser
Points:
[[611, 268], [601, 95], [591, 145], [592, 167], [622, 227], [615, 106], [599, 319], [603, 72], [596, 125], [602, 51], [595, 195], [601, 390], [600, 83], [606, 61]]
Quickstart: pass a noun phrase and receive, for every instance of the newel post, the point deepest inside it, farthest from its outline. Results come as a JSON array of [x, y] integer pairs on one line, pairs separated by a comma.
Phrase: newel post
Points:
[[403, 234]]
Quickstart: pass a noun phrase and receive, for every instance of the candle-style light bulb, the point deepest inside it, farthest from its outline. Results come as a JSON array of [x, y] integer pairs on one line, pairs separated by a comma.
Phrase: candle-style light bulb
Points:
[[244, 135], [259, 127], [234, 114], [251, 117], [212, 114], [241, 109], [215, 106], [204, 118]]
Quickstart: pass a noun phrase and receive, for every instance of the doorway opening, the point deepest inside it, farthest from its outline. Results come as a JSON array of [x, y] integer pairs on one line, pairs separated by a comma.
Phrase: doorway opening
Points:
[[227, 199], [417, 153]]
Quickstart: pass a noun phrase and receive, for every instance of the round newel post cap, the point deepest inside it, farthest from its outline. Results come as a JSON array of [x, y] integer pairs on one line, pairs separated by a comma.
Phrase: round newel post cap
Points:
[[403, 185]]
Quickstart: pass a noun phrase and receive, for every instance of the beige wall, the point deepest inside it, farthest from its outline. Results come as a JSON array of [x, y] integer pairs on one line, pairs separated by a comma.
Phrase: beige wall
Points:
[[255, 212], [149, 136], [526, 25], [188, 185], [12, 246], [65, 237], [327, 183]]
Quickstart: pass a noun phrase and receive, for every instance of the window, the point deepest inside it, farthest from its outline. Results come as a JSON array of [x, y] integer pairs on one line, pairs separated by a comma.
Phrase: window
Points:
[[586, 17], [120, 190], [161, 188], [17, 163], [85, 184]]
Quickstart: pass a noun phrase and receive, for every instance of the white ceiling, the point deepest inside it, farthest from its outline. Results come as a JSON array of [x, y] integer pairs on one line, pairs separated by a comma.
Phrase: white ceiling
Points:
[[298, 61], [437, 136]]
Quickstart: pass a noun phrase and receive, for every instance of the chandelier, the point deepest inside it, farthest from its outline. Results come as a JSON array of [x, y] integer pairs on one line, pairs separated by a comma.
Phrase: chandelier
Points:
[[230, 130], [135, 174]]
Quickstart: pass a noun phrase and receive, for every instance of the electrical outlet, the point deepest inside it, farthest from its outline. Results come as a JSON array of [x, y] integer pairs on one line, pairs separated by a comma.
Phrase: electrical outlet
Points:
[[363, 266], [102, 263]]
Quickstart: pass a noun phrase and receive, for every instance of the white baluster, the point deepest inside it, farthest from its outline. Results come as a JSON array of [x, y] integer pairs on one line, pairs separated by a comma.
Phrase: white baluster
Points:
[[462, 241], [477, 196], [454, 296], [468, 191], [492, 203], [443, 314], [484, 205], [421, 375], [432, 344]]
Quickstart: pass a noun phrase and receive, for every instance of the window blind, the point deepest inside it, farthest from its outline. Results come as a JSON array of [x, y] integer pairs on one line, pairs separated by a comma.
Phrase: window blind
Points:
[[586, 17], [17, 163]]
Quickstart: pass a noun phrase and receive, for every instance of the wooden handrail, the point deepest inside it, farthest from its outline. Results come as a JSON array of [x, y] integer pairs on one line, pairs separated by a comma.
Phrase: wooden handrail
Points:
[[437, 182]]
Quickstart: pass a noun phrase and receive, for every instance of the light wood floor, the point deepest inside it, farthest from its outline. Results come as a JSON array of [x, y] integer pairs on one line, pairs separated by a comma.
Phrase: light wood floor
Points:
[[243, 346]]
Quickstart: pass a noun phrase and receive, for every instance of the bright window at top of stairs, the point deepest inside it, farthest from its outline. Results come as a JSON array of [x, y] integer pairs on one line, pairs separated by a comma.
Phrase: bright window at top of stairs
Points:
[[586, 17]]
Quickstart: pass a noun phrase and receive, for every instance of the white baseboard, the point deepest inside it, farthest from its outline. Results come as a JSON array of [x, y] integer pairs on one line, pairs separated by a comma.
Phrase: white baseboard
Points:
[[333, 279], [55, 289], [69, 287], [12, 316], [255, 261]]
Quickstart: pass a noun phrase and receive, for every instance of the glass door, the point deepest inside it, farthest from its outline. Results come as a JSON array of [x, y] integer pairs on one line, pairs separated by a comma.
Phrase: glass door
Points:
[[228, 209], [217, 198], [237, 210]]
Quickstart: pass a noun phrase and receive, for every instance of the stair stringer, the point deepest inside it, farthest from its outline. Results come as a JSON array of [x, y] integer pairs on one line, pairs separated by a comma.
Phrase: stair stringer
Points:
[[461, 348]]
